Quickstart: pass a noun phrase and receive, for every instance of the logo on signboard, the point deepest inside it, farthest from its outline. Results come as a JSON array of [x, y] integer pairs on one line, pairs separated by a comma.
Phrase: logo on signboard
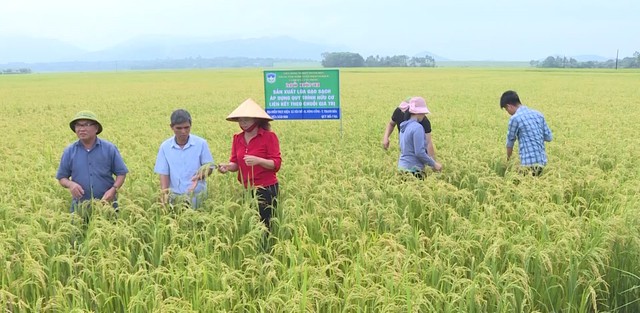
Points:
[[271, 78]]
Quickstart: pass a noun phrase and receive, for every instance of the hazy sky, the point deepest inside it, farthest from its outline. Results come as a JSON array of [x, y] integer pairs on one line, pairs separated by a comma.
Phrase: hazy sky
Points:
[[455, 29]]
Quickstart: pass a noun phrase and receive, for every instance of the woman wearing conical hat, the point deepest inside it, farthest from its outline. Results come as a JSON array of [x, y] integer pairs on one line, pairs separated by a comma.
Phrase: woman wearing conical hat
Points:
[[255, 155]]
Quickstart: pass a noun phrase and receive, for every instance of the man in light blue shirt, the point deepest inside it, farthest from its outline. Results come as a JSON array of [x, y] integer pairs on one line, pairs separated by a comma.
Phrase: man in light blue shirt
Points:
[[529, 127], [183, 163]]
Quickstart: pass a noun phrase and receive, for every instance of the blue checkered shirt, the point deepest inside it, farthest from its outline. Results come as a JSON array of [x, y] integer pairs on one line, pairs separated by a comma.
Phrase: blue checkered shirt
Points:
[[531, 130]]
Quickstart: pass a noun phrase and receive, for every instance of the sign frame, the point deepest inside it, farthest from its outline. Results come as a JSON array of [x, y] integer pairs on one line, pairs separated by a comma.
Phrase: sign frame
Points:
[[303, 94]]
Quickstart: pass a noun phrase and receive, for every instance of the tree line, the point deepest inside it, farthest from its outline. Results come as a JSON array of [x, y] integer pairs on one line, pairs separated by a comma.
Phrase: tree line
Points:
[[15, 71], [351, 59], [564, 62]]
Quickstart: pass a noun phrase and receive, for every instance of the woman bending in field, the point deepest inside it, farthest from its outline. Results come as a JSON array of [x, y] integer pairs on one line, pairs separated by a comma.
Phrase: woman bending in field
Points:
[[413, 155], [400, 114]]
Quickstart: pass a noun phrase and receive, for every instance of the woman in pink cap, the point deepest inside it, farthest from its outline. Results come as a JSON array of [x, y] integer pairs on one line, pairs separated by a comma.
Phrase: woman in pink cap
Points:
[[413, 154], [400, 115]]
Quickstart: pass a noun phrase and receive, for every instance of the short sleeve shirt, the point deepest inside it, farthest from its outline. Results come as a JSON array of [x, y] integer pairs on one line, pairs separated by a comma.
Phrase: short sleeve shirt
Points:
[[93, 169], [181, 163]]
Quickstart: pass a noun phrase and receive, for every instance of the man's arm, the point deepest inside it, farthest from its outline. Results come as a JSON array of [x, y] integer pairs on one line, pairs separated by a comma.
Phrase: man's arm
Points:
[[162, 169], [164, 182], [74, 188], [511, 136], [203, 172], [164, 188], [547, 132], [119, 181], [110, 194], [207, 161], [63, 174]]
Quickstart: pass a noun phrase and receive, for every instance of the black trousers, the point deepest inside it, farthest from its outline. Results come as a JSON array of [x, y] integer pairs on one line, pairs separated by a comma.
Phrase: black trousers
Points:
[[416, 174], [535, 170], [267, 202]]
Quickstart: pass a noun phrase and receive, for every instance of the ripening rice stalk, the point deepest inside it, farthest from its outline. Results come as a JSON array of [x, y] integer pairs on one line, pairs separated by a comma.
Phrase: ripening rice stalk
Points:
[[349, 234]]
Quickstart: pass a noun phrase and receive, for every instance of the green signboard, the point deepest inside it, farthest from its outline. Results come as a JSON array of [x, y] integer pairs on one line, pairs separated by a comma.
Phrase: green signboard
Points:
[[302, 94]]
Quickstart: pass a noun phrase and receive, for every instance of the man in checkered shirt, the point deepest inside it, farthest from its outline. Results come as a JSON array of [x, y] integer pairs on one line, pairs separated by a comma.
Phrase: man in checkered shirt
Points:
[[530, 129]]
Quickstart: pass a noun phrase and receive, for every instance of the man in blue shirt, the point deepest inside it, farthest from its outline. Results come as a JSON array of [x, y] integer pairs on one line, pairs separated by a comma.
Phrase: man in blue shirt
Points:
[[183, 163], [530, 129], [88, 165]]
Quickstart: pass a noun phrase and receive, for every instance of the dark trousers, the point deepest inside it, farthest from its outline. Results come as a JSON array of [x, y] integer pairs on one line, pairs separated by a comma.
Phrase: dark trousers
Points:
[[535, 170], [267, 202], [416, 174]]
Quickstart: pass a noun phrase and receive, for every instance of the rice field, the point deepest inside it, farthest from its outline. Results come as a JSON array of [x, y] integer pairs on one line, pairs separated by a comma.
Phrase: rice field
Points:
[[350, 235]]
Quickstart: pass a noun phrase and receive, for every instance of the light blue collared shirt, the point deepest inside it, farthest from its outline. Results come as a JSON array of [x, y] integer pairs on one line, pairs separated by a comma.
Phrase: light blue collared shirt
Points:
[[180, 164]]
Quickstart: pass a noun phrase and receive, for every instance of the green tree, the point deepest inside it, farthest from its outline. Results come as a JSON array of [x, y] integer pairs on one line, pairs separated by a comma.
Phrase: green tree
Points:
[[399, 61], [342, 59], [550, 62], [430, 61], [630, 62], [417, 61], [372, 61]]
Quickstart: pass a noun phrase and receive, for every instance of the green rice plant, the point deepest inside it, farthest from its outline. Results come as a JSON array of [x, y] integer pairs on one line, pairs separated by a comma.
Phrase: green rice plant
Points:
[[349, 234]]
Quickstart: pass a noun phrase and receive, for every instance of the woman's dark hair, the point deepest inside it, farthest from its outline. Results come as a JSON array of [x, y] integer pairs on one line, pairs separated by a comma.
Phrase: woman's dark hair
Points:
[[264, 124], [407, 115]]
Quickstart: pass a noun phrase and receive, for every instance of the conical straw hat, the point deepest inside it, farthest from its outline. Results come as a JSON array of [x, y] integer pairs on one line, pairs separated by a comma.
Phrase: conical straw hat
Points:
[[248, 108]]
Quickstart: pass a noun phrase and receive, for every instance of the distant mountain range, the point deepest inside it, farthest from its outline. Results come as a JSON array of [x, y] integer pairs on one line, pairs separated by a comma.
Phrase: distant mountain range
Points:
[[26, 49], [30, 50], [436, 57], [54, 55]]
